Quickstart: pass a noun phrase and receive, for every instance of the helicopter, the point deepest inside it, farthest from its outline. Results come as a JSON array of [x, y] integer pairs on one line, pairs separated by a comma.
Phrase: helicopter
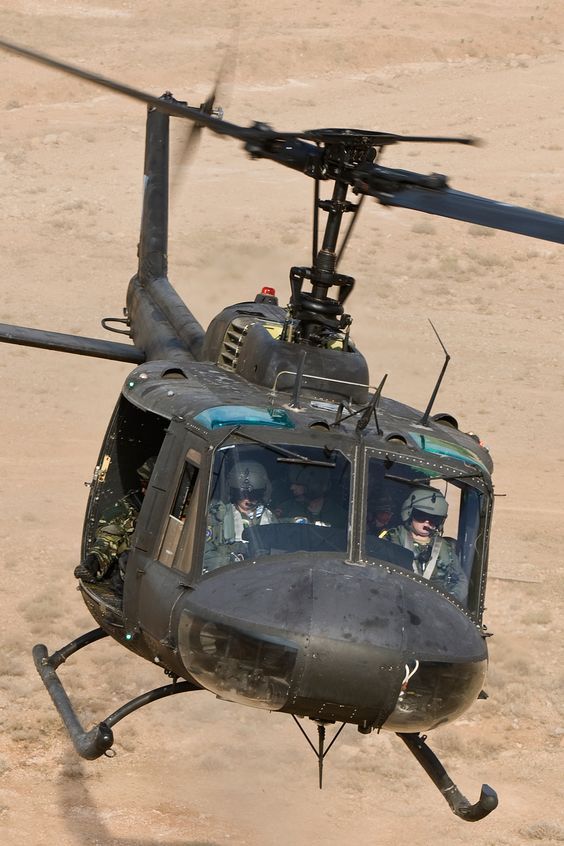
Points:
[[320, 619]]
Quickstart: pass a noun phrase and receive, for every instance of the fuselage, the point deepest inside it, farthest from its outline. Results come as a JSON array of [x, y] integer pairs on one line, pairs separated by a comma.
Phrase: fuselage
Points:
[[326, 621]]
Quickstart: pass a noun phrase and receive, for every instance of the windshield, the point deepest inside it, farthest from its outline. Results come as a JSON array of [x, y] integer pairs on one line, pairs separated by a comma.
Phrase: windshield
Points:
[[428, 523], [271, 500]]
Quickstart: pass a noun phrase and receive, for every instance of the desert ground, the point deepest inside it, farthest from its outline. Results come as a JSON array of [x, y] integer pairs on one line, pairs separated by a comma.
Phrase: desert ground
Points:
[[195, 771]]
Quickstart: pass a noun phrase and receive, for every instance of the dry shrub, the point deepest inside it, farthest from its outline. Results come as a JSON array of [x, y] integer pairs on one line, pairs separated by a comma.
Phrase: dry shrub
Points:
[[43, 606], [490, 260], [16, 688], [544, 830], [11, 663], [441, 289], [538, 616], [460, 743], [481, 305], [454, 743], [450, 263], [377, 755], [210, 760], [27, 733], [75, 770], [520, 700], [423, 228], [128, 740], [480, 231]]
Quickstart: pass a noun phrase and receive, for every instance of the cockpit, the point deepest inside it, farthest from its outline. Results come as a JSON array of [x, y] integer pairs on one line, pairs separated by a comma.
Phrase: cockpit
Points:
[[428, 519], [366, 506], [276, 500]]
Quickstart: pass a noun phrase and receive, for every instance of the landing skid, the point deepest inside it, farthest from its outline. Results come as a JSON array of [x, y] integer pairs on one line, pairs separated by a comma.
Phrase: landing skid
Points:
[[96, 742], [458, 803], [99, 740]]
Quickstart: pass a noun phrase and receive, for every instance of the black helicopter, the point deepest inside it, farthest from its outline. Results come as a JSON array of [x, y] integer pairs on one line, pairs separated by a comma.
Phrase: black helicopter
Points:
[[315, 616]]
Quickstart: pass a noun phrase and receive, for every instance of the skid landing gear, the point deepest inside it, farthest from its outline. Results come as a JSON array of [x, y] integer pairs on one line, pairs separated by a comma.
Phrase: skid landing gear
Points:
[[458, 803], [96, 742]]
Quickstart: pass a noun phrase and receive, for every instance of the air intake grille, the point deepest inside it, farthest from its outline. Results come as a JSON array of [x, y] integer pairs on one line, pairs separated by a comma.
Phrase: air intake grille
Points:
[[232, 342]]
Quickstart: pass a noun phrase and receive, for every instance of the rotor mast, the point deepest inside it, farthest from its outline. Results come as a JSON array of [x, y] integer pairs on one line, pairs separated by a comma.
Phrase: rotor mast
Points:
[[320, 316]]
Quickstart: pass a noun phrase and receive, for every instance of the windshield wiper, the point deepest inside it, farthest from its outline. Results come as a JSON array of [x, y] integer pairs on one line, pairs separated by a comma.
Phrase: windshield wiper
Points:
[[439, 477], [289, 457], [313, 462]]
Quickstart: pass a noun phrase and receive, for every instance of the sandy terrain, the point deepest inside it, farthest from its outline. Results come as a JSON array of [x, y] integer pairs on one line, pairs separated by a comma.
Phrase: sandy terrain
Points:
[[197, 772]]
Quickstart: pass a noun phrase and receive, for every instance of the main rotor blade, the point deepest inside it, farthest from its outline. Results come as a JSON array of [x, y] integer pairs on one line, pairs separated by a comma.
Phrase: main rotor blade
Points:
[[193, 137], [259, 133], [447, 202], [298, 150], [170, 107], [379, 139]]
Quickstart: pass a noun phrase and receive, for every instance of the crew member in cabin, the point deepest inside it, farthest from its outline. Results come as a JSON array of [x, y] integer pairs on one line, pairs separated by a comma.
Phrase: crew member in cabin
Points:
[[435, 558]]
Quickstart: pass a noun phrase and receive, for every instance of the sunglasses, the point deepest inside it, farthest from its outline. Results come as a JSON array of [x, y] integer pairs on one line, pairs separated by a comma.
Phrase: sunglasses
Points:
[[253, 494], [422, 517]]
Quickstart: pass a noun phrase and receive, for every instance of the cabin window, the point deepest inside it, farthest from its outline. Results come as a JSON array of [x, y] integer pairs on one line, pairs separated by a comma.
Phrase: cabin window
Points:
[[133, 436], [427, 523], [181, 513], [276, 500]]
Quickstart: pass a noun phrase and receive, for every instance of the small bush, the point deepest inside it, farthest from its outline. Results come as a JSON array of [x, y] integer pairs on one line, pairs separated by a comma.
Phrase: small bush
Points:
[[480, 231], [423, 228], [544, 830]]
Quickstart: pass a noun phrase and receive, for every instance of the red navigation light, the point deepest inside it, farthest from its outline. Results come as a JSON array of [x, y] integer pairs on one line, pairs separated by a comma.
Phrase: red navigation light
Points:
[[269, 292]]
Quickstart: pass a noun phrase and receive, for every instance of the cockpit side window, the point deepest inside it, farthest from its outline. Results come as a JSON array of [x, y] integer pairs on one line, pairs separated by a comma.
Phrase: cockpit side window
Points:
[[181, 513], [427, 525], [275, 500]]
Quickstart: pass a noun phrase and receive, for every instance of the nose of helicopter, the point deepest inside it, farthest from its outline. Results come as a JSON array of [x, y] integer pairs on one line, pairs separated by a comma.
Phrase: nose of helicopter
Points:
[[333, 641]]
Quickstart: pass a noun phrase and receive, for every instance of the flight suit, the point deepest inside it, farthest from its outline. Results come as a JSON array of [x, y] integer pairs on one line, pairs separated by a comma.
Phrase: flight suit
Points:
[[114, 531], [224, 541], [436, 561]]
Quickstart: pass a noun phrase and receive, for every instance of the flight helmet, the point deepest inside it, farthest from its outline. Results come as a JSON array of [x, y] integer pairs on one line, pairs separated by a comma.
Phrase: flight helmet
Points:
[[426, 500], [248, 478], [314, 479]]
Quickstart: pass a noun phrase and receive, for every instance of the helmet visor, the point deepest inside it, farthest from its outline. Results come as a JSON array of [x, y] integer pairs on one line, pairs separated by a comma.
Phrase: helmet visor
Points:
[[252, 494], [422, 517]]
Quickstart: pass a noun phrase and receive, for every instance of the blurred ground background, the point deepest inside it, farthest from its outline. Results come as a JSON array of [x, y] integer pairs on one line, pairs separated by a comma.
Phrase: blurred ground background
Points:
[[195, 772]]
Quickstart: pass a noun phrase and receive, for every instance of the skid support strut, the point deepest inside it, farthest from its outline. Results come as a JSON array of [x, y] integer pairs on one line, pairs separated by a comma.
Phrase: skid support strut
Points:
[[96, 742], [459, 804]]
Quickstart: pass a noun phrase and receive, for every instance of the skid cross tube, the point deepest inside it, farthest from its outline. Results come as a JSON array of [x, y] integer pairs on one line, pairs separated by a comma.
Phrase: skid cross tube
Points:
[[96, 742], [459, 804]]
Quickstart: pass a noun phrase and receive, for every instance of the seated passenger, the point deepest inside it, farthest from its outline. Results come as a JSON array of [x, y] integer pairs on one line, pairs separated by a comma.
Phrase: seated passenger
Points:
[[249, 486], [113, 536], [434, 557], [310, 501], [379, 513]]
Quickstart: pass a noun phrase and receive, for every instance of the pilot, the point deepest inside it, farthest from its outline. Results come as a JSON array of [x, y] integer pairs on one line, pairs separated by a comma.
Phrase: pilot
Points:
[[249, 490], [108, 554], [423, 514], [310, 501]]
